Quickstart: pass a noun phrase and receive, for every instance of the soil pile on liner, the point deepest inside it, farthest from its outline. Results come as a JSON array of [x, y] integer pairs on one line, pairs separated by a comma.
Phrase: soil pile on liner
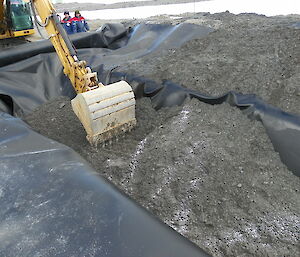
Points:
[[247, 53], [207, 171], [57, 121]]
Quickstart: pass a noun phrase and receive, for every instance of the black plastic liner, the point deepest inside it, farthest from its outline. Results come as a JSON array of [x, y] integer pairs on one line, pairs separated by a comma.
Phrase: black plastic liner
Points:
[[111, 36], [54, 204], [32, 79]]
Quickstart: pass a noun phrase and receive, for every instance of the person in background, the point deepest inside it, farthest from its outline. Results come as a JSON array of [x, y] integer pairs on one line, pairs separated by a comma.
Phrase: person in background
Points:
[[81, 24], [68, 24]]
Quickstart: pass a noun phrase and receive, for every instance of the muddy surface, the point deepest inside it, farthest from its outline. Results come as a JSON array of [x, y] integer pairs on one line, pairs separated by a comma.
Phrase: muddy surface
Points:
[[207, 171]]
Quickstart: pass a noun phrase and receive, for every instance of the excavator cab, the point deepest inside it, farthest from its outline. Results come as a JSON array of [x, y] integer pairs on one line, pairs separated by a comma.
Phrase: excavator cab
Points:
[[15, 19]]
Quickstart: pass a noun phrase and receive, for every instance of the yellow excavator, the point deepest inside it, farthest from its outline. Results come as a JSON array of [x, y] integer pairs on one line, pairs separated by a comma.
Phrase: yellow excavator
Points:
[[15, 19], [104, 111]]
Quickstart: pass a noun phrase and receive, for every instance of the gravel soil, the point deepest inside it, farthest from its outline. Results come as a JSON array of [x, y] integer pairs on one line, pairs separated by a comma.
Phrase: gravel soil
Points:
[[207, 171], [247, 53]]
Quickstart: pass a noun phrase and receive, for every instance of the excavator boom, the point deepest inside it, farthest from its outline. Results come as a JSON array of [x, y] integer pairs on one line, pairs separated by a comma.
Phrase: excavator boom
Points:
[[104, 111]]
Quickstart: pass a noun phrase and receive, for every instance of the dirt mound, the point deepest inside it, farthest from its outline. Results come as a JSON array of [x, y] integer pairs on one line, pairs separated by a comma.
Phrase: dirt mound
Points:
[[212, 175], [207, 171], [248, 53], [57, 121]]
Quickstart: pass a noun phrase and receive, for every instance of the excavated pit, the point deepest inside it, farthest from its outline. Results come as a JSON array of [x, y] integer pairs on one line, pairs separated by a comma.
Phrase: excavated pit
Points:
[[207, 171]]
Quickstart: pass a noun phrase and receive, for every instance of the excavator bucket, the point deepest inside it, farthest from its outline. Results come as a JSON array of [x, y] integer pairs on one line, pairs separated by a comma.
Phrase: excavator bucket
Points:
[[106, 112]]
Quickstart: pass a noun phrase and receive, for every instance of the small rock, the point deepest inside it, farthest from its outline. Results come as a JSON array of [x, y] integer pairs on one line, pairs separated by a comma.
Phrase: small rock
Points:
[[62, 105], [239, 185]]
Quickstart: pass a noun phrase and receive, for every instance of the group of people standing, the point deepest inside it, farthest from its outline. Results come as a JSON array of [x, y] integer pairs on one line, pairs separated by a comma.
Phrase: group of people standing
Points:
[[76, 24]]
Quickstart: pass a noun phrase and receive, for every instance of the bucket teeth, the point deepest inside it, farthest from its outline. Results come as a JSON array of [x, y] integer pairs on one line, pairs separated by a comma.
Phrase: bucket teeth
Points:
[[112, 135], [106, 112]]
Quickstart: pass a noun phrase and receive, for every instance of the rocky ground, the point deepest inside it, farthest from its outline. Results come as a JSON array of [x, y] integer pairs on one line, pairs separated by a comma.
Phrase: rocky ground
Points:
[[207, 171]]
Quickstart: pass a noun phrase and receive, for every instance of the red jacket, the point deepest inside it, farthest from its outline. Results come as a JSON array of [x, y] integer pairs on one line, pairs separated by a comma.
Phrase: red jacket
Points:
[[77, 19]]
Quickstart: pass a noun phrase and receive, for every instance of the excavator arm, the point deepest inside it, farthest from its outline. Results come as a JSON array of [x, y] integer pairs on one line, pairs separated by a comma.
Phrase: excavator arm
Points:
[[104, 111], [80, 76]]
